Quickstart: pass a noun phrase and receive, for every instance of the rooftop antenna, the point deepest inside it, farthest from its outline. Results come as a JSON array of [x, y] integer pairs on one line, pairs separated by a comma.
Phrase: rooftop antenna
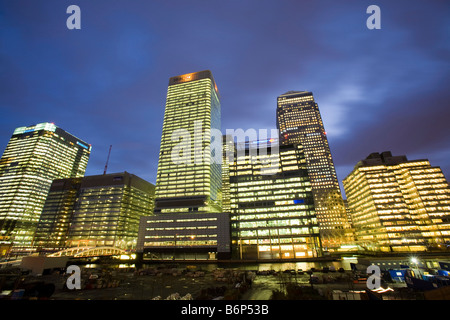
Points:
[[107, 160]]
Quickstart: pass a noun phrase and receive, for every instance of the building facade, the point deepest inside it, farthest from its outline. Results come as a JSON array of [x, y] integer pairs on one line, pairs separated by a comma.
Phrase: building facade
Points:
[[228, 154], [54, 223], [33, 158], [398, 204], [299, 122], [189, 222], [94, 211], [178, 236], [272, 205], [188, 177]]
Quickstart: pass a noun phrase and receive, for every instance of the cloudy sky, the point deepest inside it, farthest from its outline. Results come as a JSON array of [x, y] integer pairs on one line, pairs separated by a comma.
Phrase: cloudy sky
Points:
[[106, 83]]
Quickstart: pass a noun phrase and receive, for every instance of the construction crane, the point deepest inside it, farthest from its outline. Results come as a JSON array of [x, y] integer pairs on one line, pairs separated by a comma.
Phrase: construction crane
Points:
[[107, 160]]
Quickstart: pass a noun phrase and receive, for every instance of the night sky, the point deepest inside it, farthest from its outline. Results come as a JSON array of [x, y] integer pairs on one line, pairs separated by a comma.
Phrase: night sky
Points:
[[377, 90]]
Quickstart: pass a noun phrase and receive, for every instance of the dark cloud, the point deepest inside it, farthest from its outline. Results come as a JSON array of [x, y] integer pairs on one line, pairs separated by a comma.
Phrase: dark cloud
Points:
[[106, 83]]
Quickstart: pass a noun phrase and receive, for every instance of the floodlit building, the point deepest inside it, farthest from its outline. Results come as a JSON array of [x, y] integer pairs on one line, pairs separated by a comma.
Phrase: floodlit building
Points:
[[94, 211], [189, 177], [178, 236], [398, 204], [33, 158], [189, 222], [299, 122], [272, 205]]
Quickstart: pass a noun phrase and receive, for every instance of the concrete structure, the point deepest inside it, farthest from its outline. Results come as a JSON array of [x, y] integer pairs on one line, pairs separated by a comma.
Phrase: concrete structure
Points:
[[39, 265], [189, 236]]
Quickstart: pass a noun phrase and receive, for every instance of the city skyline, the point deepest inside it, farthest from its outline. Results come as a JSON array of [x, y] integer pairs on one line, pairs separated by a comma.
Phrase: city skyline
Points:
[[378, 90]]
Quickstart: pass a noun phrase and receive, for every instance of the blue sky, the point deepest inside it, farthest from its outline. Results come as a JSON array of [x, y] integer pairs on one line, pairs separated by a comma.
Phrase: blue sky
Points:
[[377, 90]]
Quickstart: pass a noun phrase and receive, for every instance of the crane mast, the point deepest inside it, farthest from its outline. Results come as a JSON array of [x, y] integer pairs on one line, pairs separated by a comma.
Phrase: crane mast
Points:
[[107, 160]]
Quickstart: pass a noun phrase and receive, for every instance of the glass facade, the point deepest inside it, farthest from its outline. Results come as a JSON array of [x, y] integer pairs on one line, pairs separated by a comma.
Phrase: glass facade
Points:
[[398, 205], [34, 156], [272, 215], [54, 222], [299, 122], [228, 153], [188, 223], [94, 211], [188, 180]]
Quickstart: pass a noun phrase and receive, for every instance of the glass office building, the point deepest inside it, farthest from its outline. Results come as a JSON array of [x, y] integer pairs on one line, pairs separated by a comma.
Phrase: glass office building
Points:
[[188, 177], [398, 204], [94, 211], [189, 222], [299, 122], [272, 206], [33, 158]]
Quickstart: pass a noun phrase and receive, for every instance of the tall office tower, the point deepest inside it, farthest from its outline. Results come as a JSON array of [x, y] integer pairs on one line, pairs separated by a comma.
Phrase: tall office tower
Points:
[[272, 214], [100, 210], [188, 178], [34, 156], [188, 221], [398, 205], [299, 122]]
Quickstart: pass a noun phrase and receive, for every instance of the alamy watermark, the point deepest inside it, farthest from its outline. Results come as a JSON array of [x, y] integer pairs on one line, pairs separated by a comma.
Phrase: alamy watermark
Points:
[[74, 20], [374, 21], [198, 146], [374, 280], [74, 280]]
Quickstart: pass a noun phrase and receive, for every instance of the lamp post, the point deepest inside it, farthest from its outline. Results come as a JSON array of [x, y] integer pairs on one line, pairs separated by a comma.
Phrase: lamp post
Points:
[[415, 261]]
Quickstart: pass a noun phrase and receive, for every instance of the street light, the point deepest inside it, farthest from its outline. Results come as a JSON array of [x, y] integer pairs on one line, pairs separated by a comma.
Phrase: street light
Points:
[[415, 262]]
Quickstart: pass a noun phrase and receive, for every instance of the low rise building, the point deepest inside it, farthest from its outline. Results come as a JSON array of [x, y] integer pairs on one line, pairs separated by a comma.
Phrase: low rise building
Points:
[[100, 210], [188, 236]]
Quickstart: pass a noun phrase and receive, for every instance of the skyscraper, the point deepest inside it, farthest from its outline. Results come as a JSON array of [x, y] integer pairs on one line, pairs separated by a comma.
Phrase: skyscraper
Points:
[[272, 215], [100, 210], [34, 156], [398, 204], [188, 178], [188, 221], [299, 122]]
